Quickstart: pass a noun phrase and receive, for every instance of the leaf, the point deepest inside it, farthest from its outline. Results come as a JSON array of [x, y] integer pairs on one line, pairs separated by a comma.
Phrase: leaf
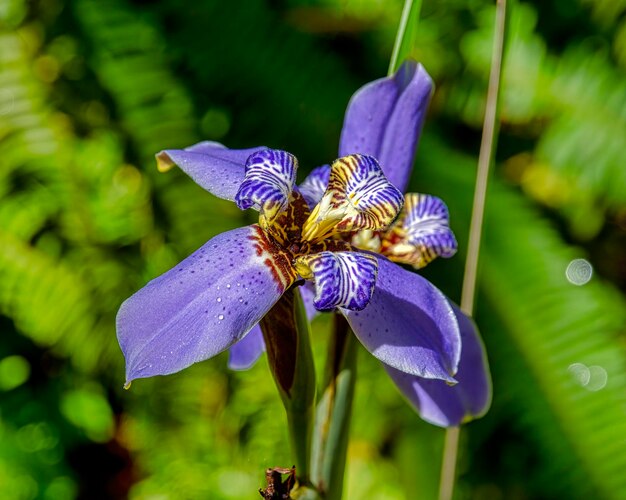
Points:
[[406, 34]]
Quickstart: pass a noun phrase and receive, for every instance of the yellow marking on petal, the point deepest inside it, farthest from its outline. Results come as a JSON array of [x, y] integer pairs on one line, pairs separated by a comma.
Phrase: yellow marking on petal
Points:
[[420, 234], [164, 162], [358, 196], [286, 226], [367, 240], [302, 267], [268, 214]]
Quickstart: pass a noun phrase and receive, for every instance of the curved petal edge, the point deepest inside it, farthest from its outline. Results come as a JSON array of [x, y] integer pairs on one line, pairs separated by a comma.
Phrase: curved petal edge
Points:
[[409, 324], [211, 165], [448, 406], [202, 306], [384, 119], [245, 353]]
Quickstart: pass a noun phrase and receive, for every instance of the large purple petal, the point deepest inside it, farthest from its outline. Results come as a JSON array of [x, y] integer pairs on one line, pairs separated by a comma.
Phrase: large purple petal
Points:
[[247, 351], [384, 119], [211, 165], [202, 306], [409, 324], [445, 405]]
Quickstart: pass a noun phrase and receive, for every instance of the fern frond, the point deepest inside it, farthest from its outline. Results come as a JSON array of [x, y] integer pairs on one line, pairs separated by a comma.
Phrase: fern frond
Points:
[[573, 105], [552, 326]]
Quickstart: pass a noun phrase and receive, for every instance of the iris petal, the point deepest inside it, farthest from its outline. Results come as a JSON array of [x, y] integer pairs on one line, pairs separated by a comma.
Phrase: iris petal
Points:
[[422, 232], [445, 405], [409, 324], [314, 186], [269, 181], [203, 305], [211, 165], [358, 196], [384, 119], [342, 279], [247, 351]]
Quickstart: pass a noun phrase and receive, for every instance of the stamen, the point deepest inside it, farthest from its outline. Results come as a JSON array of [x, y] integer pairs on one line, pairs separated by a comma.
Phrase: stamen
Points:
[[358, 196]]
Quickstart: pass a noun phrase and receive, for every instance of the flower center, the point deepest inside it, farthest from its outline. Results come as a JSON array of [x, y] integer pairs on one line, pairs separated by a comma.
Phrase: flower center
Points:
[[358, 197], [307, 243]]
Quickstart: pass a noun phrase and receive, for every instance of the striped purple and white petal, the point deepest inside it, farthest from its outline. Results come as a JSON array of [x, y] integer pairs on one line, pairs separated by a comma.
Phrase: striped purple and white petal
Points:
[[203, 305], [384, 119], [269, 180], [358, 196], [342, 279], [447, 406], [409, 324], [421, 233], [314, 186], [211, 165], [245, 353]]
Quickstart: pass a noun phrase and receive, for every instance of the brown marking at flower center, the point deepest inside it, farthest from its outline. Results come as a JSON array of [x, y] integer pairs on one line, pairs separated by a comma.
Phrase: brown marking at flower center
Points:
[[281, 244], [277, 259]]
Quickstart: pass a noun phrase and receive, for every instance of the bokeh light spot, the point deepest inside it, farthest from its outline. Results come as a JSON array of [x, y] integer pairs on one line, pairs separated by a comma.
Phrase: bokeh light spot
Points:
[[36, 437], [90, 411], [61, 488], [593, 378], [598, 378], [580, 372], [14, 371], [579, 272]]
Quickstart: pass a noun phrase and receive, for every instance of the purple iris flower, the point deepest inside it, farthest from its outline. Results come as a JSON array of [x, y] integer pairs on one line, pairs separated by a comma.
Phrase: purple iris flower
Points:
[[343, 231]]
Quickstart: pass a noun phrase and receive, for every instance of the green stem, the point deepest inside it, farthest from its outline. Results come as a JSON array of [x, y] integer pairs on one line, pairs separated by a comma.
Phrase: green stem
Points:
[[405, 37], [334, 410], [287, 338], [302, 414], [448, 466], [485, 160]]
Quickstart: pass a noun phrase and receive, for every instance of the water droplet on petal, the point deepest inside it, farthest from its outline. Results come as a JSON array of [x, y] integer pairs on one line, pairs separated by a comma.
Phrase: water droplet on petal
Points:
[[220, 317], [219, 299]]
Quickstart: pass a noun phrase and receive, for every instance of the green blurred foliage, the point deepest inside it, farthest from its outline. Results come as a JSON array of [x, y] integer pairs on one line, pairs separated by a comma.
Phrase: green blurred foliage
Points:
[[91, 89]]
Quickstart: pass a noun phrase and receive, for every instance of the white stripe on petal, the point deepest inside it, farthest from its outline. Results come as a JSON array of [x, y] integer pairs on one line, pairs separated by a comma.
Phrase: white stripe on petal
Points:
[[270, 177], [422, 233], [342, 279]]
